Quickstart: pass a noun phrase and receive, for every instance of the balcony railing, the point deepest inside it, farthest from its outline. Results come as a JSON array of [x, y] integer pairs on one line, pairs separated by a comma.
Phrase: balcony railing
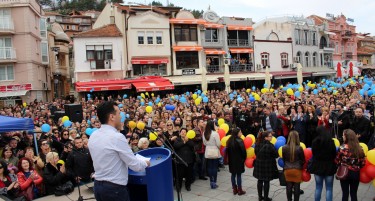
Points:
[[215, 69], [325, 45], [7, 53], [241, 68], [239, 43], [6, 23]]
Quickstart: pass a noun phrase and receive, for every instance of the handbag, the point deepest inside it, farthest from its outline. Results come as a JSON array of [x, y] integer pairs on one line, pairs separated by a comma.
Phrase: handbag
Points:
[[64, 188], [212, 152], [282, 179], [342, 172]]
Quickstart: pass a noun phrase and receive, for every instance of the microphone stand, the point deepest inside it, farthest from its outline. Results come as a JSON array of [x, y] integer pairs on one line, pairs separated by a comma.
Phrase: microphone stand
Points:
[[167, 144]]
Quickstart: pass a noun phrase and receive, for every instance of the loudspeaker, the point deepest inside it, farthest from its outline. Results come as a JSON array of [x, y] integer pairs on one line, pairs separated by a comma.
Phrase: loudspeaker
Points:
[[74, 112], [57, 115]]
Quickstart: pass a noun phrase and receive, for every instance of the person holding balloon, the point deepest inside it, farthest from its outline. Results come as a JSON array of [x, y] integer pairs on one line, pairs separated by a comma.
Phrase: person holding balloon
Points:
[[236, 153], [351, 155], [211, 140]]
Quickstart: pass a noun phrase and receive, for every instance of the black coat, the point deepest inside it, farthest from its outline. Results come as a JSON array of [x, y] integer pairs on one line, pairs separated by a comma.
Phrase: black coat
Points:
[[184, 150], [323, 161], [236, 153], [243, 121], [79, 163], [299, 158], [53, 178], [273, 121], [361, 126], [265, 164], [311, 124]]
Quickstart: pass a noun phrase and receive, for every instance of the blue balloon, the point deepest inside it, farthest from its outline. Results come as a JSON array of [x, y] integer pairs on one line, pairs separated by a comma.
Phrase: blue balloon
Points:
[[279, 143], [122, 119], [297, 94], [199, 91], [205, 99], [252, 99], [280, 161], [362, 92], [88, 95], [235, 92], [46, 128], [173, 118], [67, 123], [127, 116], [176, 97], [124, 96], [169, 107], [157, 101], [265, 85], [88, 122], [239, 100], [150, 103], [139, 97], [120, 105], [253, 88], [88, 131], [315, 91], [187, 93], [281, 138], [122, 114], [231, 95], [142, 103]]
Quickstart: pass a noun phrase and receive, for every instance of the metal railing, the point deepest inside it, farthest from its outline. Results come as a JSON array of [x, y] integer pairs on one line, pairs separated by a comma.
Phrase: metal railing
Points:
[[241, 68], [326, 45], [239, 42], [7, 53], [6, 23], [215, 69]]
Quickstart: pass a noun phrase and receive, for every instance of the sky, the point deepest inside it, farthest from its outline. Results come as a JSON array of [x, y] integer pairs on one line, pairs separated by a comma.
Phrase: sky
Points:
[[362, 11]]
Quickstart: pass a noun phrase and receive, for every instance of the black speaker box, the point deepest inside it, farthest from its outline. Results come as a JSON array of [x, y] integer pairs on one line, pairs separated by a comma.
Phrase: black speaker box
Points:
[[74, 112], [57, 115]]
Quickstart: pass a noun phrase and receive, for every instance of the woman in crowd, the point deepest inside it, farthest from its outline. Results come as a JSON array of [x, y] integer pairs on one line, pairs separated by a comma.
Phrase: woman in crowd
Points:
[[133, 142], [311, 124], [143, 143], [54, 176], [265, 168], [29, 180], [8, 187], [323, 164], [352, 156], [236, 153], [37, 163], [171, 134], [324, 119], [294, 159], [8, 157], [285, 122], [73, 134], [211, 140], [184, 147], [299, 122]]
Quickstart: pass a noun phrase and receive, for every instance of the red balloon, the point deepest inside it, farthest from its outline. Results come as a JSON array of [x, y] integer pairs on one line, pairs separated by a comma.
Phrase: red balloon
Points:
[[369, 170], [306, 176], [222, 150], [249, 162], [221, 133], [305, 165], [248, 142], [308, 154], [364, 178]]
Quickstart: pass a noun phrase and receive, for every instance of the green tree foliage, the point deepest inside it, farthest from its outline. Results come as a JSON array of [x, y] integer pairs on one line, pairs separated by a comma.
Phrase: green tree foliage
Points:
[[197, 13], [155, 3]]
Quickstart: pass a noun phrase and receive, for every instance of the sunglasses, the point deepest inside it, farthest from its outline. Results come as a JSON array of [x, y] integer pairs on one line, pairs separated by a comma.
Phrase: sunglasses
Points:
[[66, 134], [169, 124], [44, 143]]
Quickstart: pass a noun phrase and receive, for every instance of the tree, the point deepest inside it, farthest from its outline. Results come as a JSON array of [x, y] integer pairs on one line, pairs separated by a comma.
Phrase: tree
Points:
[[155, 3], [197, 14]]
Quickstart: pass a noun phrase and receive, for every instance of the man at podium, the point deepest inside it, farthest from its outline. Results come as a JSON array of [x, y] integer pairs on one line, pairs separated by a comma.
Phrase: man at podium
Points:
[[112, 156]]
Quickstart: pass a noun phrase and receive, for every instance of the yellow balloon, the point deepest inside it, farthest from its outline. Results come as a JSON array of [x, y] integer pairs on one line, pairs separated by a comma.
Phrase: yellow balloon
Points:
[[142, 100], [148, 109], [195, 96], [280, 151], [24, 104], [190, 134], [273, 141], [257, 97], [300, 89], [64, 118], [224, 140], [373, 183], [197, 101], [141, 125], [252, 137], [281, 86], [153, 136], [302, 145], [272, 90], [248, 90], [132, 124], [152, 94], [250, 152], [159, 104], [290, 92], [61, 162], [225, 127], [264, 90], [142, 95], [336, 141], [364, 147], [371, 156], [220, 121], [242, 137]]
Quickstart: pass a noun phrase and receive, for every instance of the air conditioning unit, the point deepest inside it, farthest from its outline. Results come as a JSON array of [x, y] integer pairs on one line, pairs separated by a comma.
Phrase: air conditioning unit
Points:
[[295, 59], [226, 61], [294, 66], [202, 28], [107, 64], [45, 86]]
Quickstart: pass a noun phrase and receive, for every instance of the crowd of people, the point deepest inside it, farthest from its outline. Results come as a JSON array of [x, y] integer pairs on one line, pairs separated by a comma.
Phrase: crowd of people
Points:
[[312, 118]]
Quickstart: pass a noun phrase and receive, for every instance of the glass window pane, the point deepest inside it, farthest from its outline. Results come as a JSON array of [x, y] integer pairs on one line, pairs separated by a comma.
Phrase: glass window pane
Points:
[[90, 47], [8, 42], [207, 34], [10, 73], [108, 47], [3, 73], [99, 47], [193, 34], [99, 55], [185, 35]]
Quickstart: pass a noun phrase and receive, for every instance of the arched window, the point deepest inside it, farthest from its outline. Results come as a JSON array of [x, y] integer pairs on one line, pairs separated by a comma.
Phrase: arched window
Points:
[[314, 59], [298, 58], [307, 60], [273, 36]]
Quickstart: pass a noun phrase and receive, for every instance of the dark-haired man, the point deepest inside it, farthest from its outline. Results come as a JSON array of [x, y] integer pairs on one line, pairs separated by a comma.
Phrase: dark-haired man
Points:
[[112, 155], [360, 125]]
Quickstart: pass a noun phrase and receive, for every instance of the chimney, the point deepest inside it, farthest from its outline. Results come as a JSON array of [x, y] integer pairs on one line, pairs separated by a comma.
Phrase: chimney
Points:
[[112, 17]]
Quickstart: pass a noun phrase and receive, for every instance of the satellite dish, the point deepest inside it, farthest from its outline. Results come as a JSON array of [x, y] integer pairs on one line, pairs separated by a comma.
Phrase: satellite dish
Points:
[[210, 16]]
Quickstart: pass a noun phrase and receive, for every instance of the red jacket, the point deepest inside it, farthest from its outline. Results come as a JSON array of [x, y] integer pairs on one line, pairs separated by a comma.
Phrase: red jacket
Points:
[[26, 182]]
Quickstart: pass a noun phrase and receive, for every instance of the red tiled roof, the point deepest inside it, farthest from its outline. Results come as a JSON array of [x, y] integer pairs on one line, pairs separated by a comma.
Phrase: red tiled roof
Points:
[[141, 7], [109, 30], [366, 50]]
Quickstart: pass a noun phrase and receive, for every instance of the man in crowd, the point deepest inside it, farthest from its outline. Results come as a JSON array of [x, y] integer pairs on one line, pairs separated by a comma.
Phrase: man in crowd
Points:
[[360, 125]]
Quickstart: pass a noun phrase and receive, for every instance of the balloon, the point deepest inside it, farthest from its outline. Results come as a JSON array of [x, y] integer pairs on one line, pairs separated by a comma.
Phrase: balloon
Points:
[[290, 92], [253, 88], [148, 109], [264, 90], [120, 105], [141, 125], [302, 145], [279, 143], [170, 107], [124, 96], [224, 141], [225, 127], [150, 103], [197, 101], [24, 104], [239, 99], [64, 119], [248, 90], [220, 121], [273, 141], [242, 137], [190, 134], [248, 142], [306, 176], [281, 138], [67, 123], [252, 99], [221, 133], [122, 114], [280, 151], [308, 154], [222, 150], [252, 138], [280, 161], [297, 94], [195, 96], [300, 89], [369, 170], [371, 156], [46, 128], [336, 141], [153, 136], [250, 152], [364, 147], [142, 95], [142, 103], [249, 162], [364, 178], [88, 131], [132, 124]]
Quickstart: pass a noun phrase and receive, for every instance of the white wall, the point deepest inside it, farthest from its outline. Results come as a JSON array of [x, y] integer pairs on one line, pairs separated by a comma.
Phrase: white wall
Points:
[[274, 49]]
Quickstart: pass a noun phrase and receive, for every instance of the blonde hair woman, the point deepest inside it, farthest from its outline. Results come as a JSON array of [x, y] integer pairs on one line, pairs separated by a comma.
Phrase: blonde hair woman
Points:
[[54, 173], [143, 143]]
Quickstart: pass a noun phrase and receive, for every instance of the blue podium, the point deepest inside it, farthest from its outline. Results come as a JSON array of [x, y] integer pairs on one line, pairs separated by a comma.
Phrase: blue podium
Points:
[[156, 183]]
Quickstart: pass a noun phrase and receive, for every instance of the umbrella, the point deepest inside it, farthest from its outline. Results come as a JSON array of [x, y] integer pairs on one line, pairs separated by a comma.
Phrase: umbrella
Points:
[[267, 79], [227, 78], [339, 73], [204, 79], [299, 74], [351, 69]]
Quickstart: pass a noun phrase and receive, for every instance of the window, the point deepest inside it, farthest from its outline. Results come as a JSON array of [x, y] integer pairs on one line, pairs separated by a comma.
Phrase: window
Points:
[[73, 27], [337, 47], [342, 47], [185, 32], [211, 35], [5, 19], [284, 59], [108, 52], [298, 58], [306, 38], [314, 42], [6, 51], [44, 51], [314, 57], [6, 72], [97, 54], [265, 59], [150, 69], [150, 37], [141, 37], [307, 59], [159, 37], [90, 50], [67, 27], [43, 28], [297, 36], [187, 60], [77, 20]]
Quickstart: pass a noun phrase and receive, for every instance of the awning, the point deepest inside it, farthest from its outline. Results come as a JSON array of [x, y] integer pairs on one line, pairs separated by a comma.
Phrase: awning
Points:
[[149, 60], [239, 27], [214, 51], [107, 85], [187, 48], [329, 33], [213, 25], [288, 74], [323, 73], [13, 93], [241, 50], [186, 21], [153, 86]]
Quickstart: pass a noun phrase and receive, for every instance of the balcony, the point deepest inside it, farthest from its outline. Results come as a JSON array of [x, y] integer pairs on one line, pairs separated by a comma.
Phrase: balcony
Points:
[[215, 69], [212, 43], [239, 43], [329, 47], [7, 54], [346, 35], [348, 55], [239, 68], [6, 26]]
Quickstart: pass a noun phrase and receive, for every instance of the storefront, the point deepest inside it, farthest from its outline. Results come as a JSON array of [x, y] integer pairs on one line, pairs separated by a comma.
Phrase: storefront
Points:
[[11, 95]]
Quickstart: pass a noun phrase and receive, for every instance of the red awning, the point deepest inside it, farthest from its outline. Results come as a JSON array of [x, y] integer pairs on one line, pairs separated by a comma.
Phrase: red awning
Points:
[[214, 51], [153, 86], [213, 25], [288, 74], [241, 50], [186, 21], [240, 28], [187, 48], [105, 85], [149, 60]]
